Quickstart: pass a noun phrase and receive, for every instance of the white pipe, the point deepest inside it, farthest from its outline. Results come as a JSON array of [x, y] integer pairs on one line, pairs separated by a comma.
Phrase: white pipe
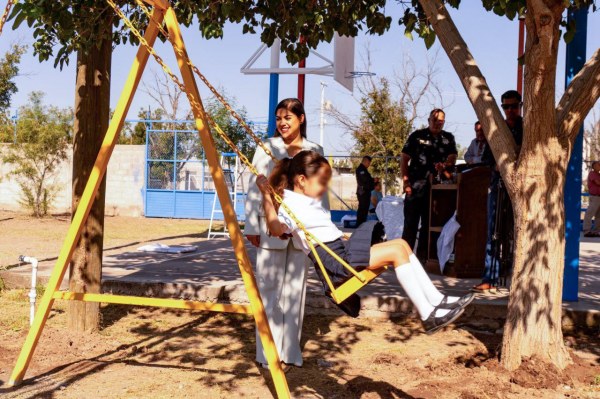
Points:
[[275, 53], [33, 291]]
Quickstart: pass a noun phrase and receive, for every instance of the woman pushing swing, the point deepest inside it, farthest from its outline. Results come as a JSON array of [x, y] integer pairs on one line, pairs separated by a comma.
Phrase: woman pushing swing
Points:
[[280, 266], [302, 181]]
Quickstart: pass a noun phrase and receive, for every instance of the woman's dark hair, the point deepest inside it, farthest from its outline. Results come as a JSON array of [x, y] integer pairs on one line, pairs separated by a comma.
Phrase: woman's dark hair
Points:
[[296, 107], [306, 163]]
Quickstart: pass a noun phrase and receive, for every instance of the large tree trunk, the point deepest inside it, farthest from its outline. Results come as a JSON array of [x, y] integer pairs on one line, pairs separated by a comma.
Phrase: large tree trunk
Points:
[[92, 110], [533, 325], [534, 180]]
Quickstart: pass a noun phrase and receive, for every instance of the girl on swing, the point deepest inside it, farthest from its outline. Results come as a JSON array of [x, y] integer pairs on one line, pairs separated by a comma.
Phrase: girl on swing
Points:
[[302, 181]]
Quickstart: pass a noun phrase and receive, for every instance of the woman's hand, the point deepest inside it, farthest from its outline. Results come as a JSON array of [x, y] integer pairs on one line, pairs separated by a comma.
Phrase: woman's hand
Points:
[[254, 240], [262, 182]]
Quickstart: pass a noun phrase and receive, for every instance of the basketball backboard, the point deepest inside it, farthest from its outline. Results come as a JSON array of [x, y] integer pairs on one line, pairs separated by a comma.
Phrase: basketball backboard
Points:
[[341, 68]]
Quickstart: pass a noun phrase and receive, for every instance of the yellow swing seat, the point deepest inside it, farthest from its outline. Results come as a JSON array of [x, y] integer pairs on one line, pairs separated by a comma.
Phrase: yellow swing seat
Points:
[[354, 283]]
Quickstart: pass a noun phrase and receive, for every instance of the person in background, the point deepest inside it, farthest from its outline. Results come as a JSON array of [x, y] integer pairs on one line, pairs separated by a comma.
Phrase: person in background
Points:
[[376, 196], [364, 185], [426, 153], [593, 209], [477, 146], [511, 104]]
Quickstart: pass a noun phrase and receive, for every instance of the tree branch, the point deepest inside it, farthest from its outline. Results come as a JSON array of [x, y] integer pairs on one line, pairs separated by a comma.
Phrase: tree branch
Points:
[[581, 95], [496, 131]]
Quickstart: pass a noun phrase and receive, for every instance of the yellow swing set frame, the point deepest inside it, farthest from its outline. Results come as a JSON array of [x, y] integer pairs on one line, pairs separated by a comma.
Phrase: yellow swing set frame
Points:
[[161, 13]]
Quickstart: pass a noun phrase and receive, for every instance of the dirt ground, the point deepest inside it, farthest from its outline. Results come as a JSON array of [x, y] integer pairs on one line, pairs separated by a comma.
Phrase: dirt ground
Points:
[[120, 231], [146, 353]]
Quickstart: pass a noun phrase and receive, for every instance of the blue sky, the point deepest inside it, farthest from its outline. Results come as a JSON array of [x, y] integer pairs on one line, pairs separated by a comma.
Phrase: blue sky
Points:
[[492, 40]]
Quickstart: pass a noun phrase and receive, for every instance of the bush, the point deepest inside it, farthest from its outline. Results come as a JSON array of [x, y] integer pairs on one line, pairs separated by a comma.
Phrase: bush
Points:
[[43, 136]]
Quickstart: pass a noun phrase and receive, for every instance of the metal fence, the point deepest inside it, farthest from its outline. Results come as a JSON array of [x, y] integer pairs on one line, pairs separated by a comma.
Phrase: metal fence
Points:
[[178, 180]]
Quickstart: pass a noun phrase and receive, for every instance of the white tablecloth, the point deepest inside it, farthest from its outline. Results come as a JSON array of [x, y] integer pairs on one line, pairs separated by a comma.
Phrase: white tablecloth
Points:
[[390, 210]]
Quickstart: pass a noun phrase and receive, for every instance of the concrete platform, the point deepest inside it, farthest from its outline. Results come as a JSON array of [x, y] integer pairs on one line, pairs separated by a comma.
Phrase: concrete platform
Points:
[[211, 274]]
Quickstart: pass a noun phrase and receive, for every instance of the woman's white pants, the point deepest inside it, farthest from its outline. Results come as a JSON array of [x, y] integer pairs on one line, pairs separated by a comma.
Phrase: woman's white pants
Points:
[[281, 276]]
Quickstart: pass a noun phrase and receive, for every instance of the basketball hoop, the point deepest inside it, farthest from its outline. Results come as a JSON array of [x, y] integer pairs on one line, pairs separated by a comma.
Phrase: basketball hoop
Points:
[[360, 74], [341, 68]]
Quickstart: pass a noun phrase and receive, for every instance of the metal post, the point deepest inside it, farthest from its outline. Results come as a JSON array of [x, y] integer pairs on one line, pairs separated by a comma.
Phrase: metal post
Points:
[[301, 76], [575, 59], [15, 119], [322, 116], [273, 86], [520, 65]]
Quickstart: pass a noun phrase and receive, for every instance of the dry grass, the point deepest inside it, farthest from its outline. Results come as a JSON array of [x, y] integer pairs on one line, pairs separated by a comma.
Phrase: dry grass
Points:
[[42, 238], [143, 353]]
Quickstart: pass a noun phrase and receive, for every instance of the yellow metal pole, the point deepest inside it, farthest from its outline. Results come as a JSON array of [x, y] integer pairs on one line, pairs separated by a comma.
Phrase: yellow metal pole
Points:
[[154, 302], [87, 199], [233, 227]]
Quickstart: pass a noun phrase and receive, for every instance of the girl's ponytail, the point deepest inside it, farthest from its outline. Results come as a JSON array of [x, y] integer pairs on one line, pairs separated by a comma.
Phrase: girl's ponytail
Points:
[[279, 178]]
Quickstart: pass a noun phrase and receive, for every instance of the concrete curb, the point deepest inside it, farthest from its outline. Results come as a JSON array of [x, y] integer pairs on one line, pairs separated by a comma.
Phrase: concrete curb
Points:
[[483, 312], [490, 314]]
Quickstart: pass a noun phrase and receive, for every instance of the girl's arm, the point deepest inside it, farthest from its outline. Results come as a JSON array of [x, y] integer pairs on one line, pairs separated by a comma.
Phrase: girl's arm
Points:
[[276, 228], [254, 197]]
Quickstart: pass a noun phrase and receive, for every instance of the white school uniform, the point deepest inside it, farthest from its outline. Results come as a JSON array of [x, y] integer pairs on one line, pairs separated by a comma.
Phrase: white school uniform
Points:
[[280, 266], [312, 214]]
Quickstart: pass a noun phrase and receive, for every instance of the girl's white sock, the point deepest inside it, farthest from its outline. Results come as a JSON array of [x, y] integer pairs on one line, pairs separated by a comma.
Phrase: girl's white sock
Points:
[[411, 286], [431, 292]]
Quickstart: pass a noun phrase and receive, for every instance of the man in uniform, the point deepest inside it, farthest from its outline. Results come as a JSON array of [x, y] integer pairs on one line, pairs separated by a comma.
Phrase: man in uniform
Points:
[[426, 153], [364, 185]]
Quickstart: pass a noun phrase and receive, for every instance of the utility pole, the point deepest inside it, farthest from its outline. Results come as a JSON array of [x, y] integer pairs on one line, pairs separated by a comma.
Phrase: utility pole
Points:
[[273, 86], [520, 62], [15, 119], [322, 116]]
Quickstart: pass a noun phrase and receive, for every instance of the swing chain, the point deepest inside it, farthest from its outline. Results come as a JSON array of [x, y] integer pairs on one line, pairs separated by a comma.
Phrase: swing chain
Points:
[[176, 80], [195, 105], [203, 78], [9, 5]]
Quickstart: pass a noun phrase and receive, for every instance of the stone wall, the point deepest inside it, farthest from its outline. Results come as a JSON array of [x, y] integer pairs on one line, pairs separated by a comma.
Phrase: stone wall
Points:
[[124, 185]]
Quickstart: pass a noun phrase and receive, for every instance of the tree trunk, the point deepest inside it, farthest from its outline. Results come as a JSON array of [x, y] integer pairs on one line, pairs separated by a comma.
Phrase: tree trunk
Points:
[[534, 179], [533, 325], [92, 109]]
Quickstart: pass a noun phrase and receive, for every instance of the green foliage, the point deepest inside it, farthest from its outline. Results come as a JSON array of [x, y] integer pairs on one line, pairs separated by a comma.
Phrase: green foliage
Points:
[[230, 126], [43, 136], [136, 134], [415, 21], [382, 131], [9, 70], [62, 27]]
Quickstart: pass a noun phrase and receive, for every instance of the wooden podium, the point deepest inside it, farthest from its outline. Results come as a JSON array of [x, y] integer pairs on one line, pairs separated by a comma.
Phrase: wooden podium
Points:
[[468, 198]]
